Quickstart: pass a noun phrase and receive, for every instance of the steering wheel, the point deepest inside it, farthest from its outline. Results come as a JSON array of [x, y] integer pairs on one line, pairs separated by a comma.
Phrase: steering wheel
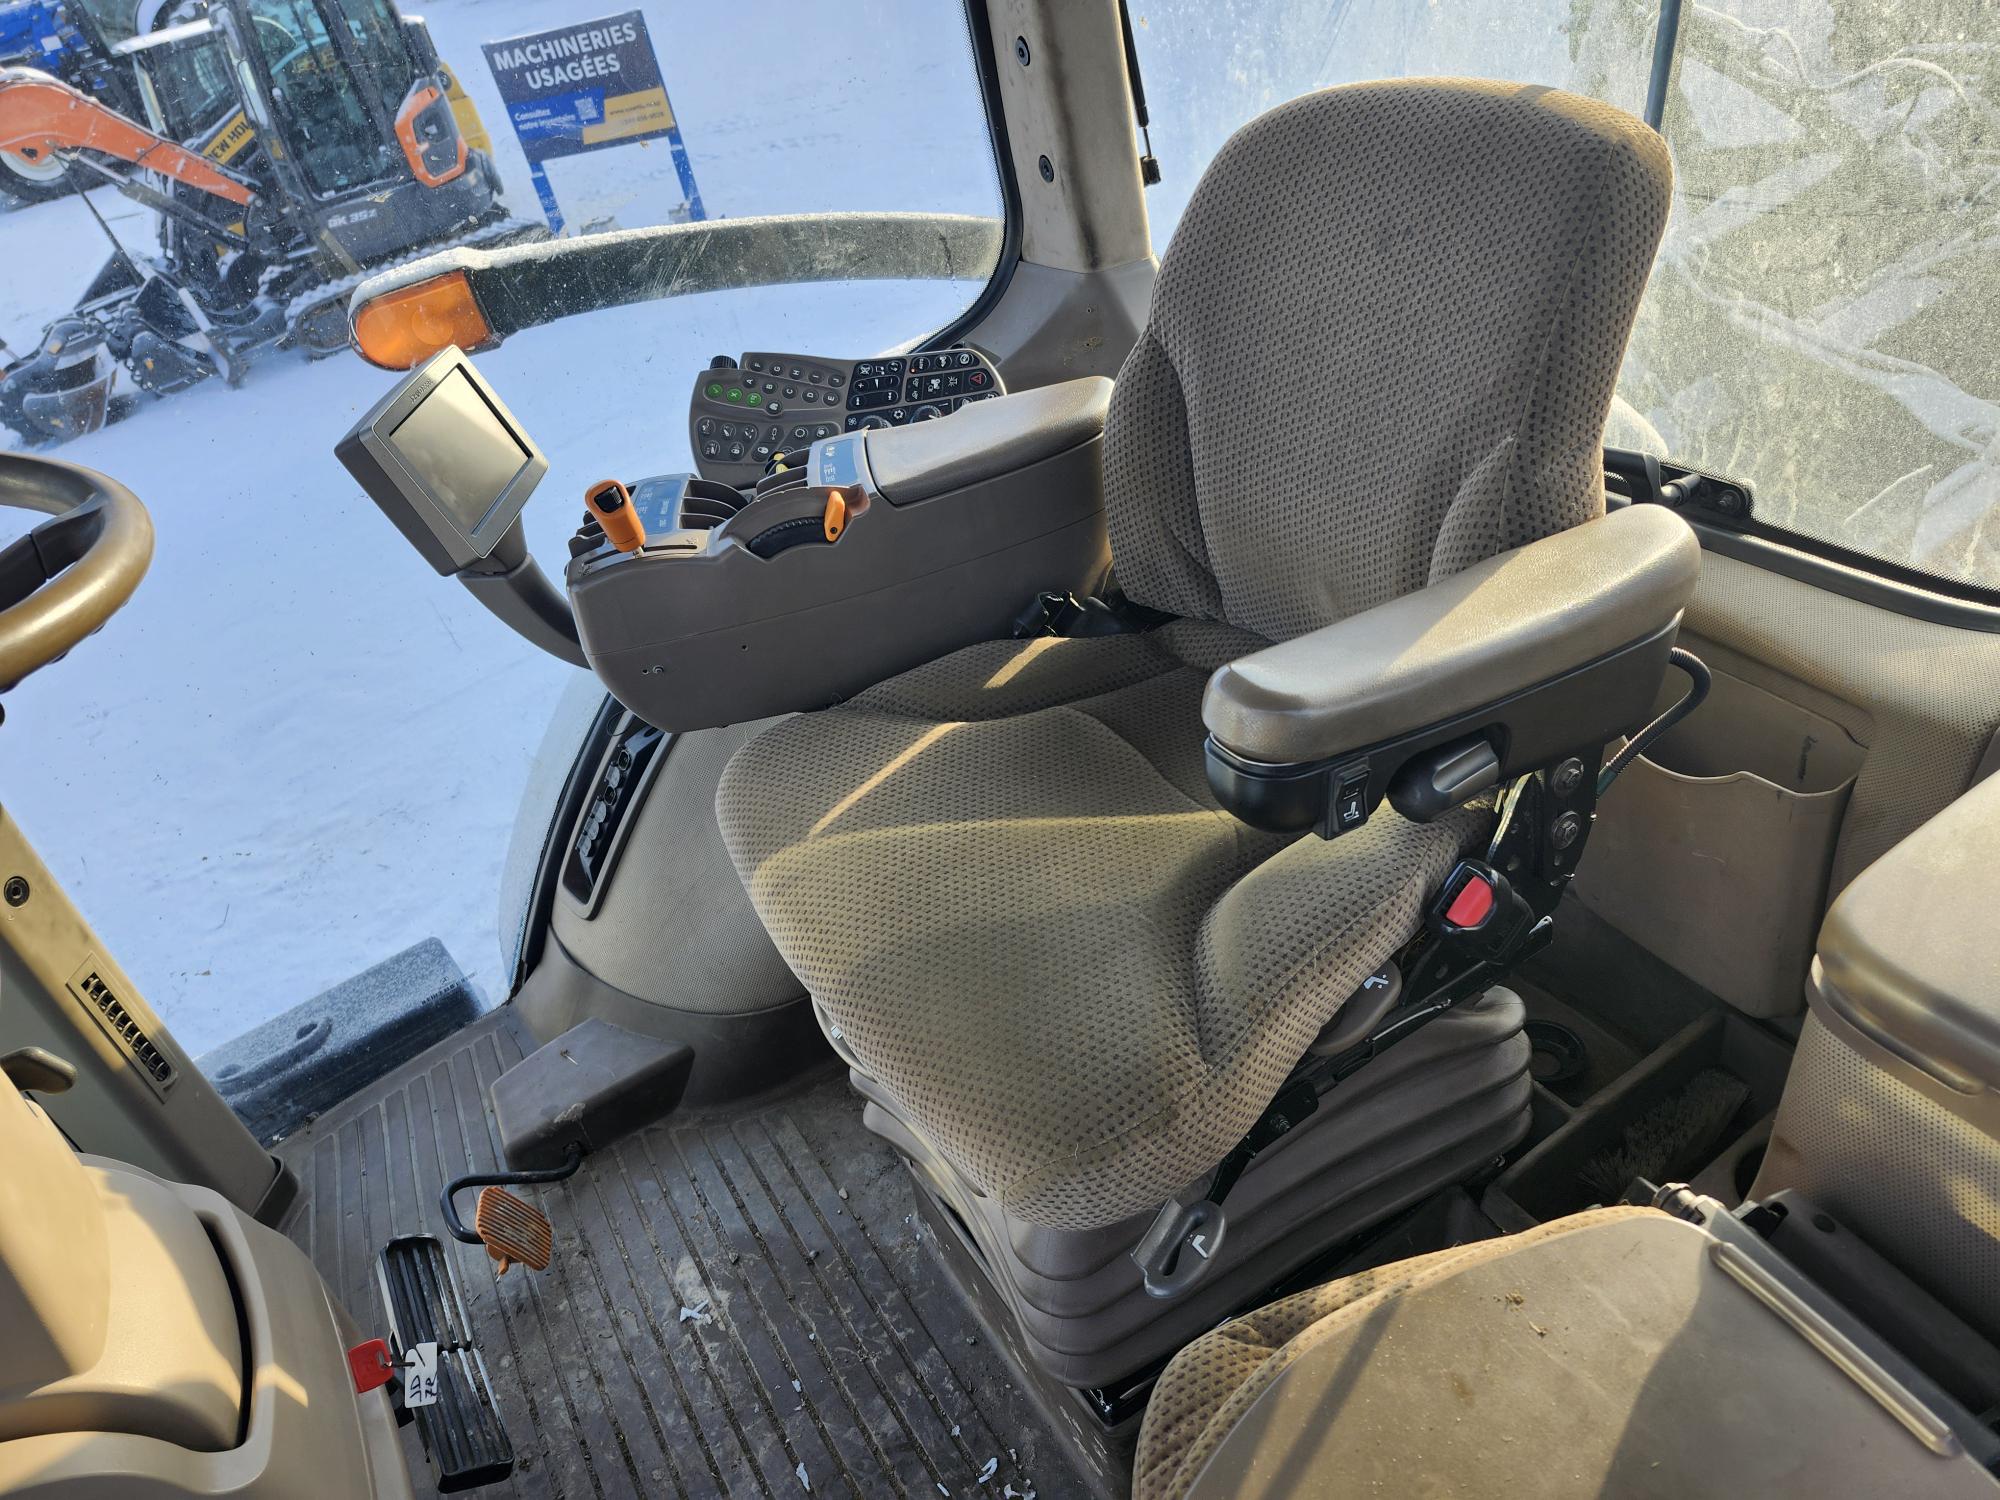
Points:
[[74, 571]]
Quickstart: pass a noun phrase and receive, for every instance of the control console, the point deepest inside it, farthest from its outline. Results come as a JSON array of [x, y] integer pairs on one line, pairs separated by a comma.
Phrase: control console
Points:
[[745, 412]]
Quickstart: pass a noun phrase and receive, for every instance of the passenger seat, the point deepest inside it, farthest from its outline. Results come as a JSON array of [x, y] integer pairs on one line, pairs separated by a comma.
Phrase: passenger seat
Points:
[[1623, 1352]]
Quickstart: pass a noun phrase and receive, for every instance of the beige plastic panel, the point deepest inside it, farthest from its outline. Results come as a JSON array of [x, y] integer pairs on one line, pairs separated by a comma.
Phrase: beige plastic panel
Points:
[[1911, 1165], [307, 1434], [179, 1128], [54, 1264], [1910, 953], [169, 1363], [1072, 103], [1713, 852]]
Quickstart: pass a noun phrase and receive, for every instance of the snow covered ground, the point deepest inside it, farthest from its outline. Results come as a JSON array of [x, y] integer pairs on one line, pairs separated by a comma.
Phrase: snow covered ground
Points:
[[298, 750]]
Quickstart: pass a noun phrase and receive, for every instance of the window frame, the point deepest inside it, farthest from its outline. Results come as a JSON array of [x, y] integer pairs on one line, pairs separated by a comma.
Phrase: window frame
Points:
[[979, 38]]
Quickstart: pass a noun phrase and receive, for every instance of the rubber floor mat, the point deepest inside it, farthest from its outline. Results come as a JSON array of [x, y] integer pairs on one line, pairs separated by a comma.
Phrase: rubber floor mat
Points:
[[740, 1304]]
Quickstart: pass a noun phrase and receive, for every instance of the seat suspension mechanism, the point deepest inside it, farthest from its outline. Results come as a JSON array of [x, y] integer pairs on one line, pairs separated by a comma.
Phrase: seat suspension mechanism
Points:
[[1490, 915]]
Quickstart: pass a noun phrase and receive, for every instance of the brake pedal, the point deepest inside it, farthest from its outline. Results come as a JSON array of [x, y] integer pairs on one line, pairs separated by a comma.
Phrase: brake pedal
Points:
[[513, 1230], [445, 1386]]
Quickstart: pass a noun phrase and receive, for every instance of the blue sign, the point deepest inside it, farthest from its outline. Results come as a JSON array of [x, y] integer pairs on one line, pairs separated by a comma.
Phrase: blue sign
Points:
[[584, 87]]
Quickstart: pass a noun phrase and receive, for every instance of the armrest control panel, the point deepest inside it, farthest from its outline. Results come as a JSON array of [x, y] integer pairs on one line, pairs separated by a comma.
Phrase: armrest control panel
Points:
[[744, 412], [876, 551]]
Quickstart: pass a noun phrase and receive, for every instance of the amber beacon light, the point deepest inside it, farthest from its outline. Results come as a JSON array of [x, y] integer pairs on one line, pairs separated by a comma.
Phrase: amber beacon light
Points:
[[401, 329]]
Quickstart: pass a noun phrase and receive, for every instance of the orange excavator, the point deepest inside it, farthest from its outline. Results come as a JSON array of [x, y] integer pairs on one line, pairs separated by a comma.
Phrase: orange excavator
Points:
[[43, 118], [288, 150]]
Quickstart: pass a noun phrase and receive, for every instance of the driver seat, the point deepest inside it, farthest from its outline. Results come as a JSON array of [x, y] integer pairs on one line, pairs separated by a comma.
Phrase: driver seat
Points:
[[1381, 349]]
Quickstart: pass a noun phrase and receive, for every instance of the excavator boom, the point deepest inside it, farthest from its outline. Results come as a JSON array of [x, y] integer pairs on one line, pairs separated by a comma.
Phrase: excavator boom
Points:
[[41, 116]]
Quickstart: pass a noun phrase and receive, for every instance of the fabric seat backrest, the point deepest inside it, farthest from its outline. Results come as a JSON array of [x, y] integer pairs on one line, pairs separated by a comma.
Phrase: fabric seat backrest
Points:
[[1381, 348]]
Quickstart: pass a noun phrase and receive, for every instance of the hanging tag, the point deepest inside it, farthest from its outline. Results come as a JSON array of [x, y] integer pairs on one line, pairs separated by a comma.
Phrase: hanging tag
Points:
[[420, 1376]]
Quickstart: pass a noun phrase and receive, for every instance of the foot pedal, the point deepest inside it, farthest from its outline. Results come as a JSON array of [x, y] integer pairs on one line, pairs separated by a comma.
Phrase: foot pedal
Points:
[[513, 1230], [461, 1429]]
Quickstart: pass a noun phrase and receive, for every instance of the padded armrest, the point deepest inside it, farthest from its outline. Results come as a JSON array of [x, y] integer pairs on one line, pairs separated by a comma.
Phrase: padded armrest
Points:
[[1527, 659], [1498, 628], [985, 438], [1910, 953]]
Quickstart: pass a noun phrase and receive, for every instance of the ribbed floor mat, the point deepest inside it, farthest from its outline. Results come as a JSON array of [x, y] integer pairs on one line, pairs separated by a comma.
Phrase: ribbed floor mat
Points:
[[739, 1305]]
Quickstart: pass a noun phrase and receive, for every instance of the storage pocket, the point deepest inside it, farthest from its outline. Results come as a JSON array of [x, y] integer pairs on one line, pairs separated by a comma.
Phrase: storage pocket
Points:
[[1713, 851], [1687, 1105]]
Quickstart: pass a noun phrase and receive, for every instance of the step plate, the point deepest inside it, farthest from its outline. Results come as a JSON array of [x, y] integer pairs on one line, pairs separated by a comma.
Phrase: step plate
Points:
[[462, 1431]]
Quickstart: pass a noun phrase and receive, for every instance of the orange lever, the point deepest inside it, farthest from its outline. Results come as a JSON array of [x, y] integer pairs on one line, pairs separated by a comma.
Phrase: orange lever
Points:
[[835, 520], [611, 503]]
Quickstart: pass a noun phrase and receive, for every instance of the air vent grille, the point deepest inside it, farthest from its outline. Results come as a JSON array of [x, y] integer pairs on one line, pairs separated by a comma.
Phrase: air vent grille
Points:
[[95, 992]]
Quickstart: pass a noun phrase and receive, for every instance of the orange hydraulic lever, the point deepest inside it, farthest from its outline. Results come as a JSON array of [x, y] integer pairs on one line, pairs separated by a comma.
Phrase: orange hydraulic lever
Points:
[[40, 115], [611, 503]]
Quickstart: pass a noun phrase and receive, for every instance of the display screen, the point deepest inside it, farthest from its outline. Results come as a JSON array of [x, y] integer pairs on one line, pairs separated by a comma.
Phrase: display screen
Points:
[[458, 446]]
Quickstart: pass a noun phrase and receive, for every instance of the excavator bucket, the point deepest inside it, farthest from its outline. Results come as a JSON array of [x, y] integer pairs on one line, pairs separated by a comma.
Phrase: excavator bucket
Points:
[[63, 387]]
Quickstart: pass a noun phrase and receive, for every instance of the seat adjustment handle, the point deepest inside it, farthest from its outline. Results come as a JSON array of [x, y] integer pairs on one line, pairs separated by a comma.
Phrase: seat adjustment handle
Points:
[[1179, 1248]]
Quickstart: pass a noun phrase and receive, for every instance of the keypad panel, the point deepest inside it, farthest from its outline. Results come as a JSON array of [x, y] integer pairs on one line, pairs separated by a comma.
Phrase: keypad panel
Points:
[[742, 416]]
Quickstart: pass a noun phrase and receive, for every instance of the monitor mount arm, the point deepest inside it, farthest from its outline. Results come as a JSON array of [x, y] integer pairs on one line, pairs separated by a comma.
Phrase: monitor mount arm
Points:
[[512, 585]]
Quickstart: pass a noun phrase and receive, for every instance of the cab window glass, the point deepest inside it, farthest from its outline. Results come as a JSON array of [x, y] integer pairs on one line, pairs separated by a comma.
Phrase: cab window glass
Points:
[[114, 20], [378, 45], [298, 751], [339, 144], [1819, 319], [193, 86], [1212, 67]]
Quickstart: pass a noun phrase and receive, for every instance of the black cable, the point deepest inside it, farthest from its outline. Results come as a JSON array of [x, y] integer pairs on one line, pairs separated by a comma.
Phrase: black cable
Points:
[[1699, 680], [457, 1185], [1666, 37]]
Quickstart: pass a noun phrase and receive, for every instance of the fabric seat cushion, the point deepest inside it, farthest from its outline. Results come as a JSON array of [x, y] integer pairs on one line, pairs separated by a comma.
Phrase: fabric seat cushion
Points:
[[1211, 1383], [1005, 880]]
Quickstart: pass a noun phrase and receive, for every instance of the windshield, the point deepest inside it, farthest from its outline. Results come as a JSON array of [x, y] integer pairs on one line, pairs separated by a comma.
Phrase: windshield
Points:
[[298, 752]]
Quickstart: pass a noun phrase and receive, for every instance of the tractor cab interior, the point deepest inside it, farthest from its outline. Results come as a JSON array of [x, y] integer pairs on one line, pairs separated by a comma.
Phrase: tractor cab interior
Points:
[[1211, 883]]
